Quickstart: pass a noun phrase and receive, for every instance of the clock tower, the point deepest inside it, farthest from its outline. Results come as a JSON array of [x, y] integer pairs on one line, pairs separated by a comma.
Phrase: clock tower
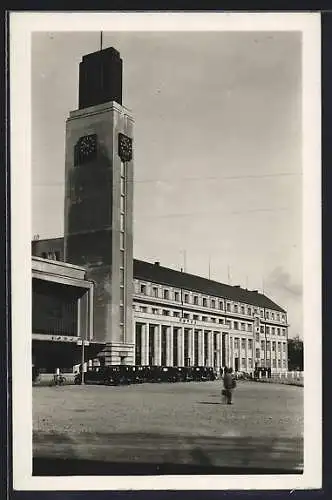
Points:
[[99, 199]]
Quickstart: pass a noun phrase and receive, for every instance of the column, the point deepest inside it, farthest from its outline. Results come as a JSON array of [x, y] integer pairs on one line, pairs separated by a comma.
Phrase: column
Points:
[[246, 355], [210, 349], [181, 346], [145, 344], [219, 349], [157, 345], [169, 356], [191, 346], [201, 348]]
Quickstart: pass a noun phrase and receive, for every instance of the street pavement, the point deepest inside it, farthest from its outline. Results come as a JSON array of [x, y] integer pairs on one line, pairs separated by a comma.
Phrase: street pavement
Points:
[[167, 429]]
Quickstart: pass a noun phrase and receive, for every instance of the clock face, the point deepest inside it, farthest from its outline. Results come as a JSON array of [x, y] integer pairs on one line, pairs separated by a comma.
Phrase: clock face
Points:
[[86, 149], [125, 148]]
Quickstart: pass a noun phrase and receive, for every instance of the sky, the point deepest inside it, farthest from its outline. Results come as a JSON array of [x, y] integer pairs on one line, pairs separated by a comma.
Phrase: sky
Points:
[[217, 150]]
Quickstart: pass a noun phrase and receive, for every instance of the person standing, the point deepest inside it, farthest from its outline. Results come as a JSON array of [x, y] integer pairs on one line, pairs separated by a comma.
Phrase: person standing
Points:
[[229, 385]]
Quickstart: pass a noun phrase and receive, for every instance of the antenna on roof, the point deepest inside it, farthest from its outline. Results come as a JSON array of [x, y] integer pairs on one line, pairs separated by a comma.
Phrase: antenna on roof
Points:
[[229, 274], [184, 260], [101, 40]]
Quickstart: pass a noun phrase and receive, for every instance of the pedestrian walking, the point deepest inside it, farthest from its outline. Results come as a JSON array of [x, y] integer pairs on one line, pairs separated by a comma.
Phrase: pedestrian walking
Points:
[[229, 383]]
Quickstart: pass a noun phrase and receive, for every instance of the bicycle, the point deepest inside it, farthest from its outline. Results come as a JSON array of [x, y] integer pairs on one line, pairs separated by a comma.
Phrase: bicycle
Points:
[[58, 380]]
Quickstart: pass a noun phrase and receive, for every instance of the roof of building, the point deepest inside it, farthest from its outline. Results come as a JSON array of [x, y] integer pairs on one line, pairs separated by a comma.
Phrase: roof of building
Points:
[[166, 276]]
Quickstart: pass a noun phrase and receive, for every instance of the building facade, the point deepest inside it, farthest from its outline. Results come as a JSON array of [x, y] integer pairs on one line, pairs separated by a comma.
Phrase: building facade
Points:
[[143, 313]]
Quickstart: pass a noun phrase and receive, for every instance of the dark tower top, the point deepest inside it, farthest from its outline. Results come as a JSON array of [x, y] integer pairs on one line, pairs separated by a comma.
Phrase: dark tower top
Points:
[[100, 78]]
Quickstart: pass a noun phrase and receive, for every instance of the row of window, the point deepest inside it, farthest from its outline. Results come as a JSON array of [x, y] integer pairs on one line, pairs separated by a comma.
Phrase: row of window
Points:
[[268, 344], [236, 325], [197, 300], [122, 247], [275, 363]]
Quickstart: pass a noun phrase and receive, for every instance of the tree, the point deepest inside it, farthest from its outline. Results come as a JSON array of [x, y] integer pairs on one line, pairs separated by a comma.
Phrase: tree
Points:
[[295, 354]]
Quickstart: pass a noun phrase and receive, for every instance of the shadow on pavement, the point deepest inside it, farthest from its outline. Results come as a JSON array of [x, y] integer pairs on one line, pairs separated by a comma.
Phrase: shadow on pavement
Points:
[[88, 453]]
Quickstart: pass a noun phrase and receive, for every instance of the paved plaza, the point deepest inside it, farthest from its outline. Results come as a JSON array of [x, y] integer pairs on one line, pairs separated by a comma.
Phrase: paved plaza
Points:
[[167, 428]]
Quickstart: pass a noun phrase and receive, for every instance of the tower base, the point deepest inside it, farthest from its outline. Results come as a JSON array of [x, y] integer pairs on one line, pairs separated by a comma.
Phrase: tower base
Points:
[[117, 354]]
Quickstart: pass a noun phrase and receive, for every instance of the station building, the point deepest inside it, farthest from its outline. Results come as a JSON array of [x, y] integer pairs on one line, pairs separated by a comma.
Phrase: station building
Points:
[[128, 311]]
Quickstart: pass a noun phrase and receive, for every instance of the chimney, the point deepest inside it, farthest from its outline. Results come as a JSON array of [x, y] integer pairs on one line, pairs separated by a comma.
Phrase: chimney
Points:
[[157, 263]]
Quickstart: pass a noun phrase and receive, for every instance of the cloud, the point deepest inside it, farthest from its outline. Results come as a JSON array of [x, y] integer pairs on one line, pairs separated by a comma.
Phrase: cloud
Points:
[[282, 280]]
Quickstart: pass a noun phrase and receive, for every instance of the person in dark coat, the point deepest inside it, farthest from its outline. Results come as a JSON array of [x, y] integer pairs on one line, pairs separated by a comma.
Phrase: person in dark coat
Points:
[[229, 385]]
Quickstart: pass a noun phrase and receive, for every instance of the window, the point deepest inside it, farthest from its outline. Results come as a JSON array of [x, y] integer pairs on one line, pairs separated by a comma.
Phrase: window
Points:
[[121, 258], [236, 325], [284, 363], [213, 320], [267, 328], [204, 318], [262, 313], [273, 346], [221, 305], [155, 291], [195, 317], [213, 303], [143, 309], [279, 346], [186, 315], [165, 312], [196, 300], [166, 294], [250, 344], [274, 363], [186, 297], [121, 240], [204, 302], [243, 326], [177, 296], [236, 343], [243, 343], [284, 347], [257, 337], [273, 330], [258, 353], [284, 332], [57, 255], [122, 222], [249, 327], [263, 345], [242, 309], [228, 307], [278, 317], [121, 315], [122, 185], [279, 363], [221, 321], [143, 289], [278, 331], [243, 362], [176, 314], [262, 329], [267, 314], [272, 316], [228, 323], [249, 362], [155, 311], [249, 311], [235, 308], [268, 345]]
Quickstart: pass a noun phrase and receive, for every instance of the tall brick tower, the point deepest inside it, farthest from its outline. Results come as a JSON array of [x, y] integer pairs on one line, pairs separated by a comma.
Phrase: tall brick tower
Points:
[[99, 199]]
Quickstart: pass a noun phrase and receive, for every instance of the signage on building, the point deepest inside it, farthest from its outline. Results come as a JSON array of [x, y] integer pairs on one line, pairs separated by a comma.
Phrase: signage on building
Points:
[[54, 338]]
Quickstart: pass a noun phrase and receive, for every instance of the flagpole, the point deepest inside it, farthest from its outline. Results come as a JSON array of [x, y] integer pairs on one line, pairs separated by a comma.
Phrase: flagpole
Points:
[[101, 40]]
